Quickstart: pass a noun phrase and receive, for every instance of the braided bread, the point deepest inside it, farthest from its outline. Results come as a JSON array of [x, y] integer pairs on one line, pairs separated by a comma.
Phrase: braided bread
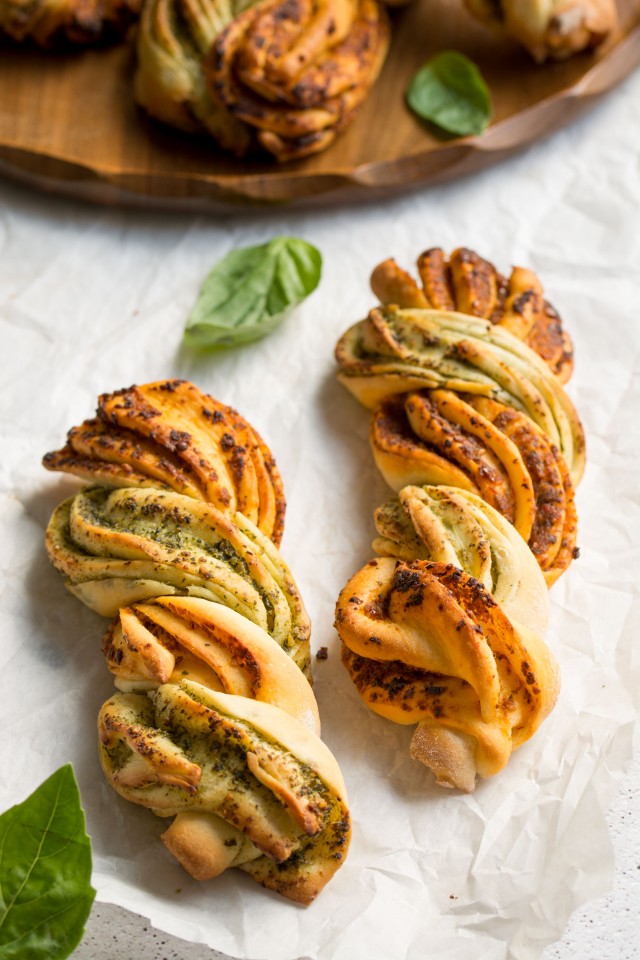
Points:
[[445, 629], [172, 436], [251, 786], [173, 39], [281, 76], [174, 641], [296, 71], [215, 725], [467, 283]]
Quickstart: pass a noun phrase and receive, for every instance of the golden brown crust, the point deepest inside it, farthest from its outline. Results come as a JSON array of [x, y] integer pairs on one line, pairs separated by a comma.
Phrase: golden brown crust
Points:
[[424, 642], [442, 418], [296, 71], [205, 845], [551, 29], [452, 526], [555, 528], [171, 639], [48, 23], [477, 285], [206, 757], [391, 284], [486, 448], [436, 280], [470, 284], [397, 350], [103, 453], [171, 435], [118, 547], [173, 39], [402, 459]]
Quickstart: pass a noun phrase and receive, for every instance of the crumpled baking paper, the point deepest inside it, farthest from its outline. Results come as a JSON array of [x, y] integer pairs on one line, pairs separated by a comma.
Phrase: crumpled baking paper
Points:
[[91, 300]]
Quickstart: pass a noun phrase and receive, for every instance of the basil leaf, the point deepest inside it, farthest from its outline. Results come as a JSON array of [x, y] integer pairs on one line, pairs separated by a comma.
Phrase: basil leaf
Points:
[[251, 290], [45, 872], [451, 92]]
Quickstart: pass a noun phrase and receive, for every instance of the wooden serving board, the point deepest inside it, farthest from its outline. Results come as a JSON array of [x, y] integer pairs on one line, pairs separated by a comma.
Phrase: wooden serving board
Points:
[[68, 122]]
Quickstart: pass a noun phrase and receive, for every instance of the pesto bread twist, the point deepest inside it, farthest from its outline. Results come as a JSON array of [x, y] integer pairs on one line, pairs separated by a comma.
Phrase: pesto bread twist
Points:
[[173, 39], [551, 29], [248, 785], [467, 283], [172, 436], [296, 71], [281, 77], [118, 547], [425, 643], [474, 431], [60, 23], [216, 724]]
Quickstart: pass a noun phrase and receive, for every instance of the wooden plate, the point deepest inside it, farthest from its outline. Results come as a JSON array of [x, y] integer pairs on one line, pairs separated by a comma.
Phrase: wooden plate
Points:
[[68, 122]]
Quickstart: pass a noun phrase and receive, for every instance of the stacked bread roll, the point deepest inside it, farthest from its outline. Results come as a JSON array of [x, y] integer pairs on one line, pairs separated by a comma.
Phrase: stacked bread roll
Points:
[[474, 431], [281, 76], [214, 723]]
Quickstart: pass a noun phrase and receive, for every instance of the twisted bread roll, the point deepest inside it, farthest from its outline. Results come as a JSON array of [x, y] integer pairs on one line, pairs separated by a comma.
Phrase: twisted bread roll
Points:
[[426, 643], [171, 639], [116, 547], [446, 629], [172, 436], [467, 283], [50, 23], [297, 70], [395, 351], [436, 436], [551, 29], [248, 783], [452, 526], [284, 76], [173, 39], [251, 786]]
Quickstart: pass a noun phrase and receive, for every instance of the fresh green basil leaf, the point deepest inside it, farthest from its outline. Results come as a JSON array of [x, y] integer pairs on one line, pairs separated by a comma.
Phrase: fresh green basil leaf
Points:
[[251, 290], [45, 872], [450, 92]]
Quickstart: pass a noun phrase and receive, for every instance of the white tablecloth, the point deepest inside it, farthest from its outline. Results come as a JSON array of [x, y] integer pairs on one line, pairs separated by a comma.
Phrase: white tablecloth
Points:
[[94, 299]]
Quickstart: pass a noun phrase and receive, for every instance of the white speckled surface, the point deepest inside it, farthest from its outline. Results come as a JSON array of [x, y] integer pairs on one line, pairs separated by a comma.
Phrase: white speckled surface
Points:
[[609, 928], [114, 933], [604, 929]]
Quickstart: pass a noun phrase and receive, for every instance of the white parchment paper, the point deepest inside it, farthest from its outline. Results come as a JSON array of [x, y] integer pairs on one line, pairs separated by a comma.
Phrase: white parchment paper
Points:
[[91, 300]]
